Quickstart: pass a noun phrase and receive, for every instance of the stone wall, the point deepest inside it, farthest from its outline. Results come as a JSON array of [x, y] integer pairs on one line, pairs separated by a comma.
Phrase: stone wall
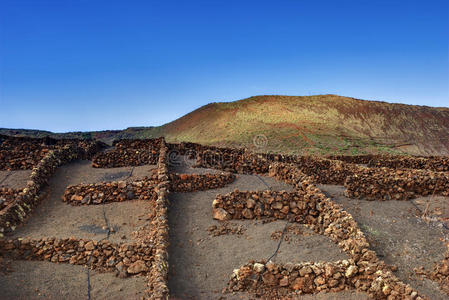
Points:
[[275, 281], [199, 182], [321, 170], [390, 184], [7, 196], [326, 171], [231, 160], [434, 163], [15, 212], [129, 153], [125, 259], [20, 153], [308, 205], [158, 275], [116, 191]]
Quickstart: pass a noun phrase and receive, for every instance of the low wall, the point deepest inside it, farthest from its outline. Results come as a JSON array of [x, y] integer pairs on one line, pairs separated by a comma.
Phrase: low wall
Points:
[[15, 212], [434, 163], [116, 191], [7, 196], [18, 153], [158, 275], [326, 171], [137, 143], [275, 281], [390, 184], [199, 182], [308, 205], [232, 161], [125, 158], [129, 153], [125, 259], [321, 170]]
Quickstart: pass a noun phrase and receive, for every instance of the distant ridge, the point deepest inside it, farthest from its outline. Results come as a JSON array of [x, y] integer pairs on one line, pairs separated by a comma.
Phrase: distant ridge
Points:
[[321, 124]]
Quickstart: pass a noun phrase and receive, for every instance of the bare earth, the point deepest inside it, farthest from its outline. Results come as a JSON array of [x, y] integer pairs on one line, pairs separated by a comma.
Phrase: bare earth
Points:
[[200, 263], [14, 179], [398, 236], [54, 218]]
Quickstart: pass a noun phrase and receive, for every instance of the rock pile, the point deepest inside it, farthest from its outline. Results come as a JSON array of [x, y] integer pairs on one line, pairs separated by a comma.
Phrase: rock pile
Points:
[[116, 191], [129, 153], [390, 184], [199, 182], [225, 228], [124, 259], [273, 281], [441, 273]]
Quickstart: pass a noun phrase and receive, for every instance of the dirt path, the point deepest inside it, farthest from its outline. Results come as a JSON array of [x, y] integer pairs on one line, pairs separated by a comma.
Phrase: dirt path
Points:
[[201, 264], [398, 236]]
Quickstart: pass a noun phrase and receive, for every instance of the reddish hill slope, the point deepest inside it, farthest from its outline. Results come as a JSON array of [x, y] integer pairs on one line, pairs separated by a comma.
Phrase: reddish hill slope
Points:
[[319, 124]]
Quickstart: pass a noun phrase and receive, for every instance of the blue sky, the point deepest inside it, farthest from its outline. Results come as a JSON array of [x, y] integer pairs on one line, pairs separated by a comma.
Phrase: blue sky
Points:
[[94, 65]]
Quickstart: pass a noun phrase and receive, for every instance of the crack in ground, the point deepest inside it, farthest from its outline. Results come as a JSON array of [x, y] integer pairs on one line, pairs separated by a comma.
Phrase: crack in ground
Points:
[[108, 233]]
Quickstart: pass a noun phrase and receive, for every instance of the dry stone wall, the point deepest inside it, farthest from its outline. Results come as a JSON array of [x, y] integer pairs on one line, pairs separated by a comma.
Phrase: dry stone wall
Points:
[[434, 163], [18, 153], [16, 211], [199, 182], [308, 205], [129, 153], [158, 275], [125, 259], [7, 196], [275, 281], [116, 191], [390, 184], [232, 160]]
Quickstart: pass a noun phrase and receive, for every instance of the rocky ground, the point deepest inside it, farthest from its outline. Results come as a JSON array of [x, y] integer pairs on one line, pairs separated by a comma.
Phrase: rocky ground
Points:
[[204, 252], [54, 218], [399, 235], [201, 263]]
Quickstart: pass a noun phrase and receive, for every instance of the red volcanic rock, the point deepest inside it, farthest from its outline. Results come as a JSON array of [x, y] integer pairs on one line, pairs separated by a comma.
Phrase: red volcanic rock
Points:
[[221, 214]]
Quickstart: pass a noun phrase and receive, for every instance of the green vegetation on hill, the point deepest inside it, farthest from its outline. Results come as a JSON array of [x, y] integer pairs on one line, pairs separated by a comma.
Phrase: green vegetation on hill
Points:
[[321, 124]]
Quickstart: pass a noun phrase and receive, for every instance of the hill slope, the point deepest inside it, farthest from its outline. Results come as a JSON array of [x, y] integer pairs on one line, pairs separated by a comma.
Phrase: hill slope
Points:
[[319, 124]]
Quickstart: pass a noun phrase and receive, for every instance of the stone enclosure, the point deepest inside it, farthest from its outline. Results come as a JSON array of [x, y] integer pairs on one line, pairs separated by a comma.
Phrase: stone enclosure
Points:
[[365, 178]]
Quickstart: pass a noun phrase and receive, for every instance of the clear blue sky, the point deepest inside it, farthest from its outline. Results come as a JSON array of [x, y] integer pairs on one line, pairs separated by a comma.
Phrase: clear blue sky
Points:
[[92, 65]]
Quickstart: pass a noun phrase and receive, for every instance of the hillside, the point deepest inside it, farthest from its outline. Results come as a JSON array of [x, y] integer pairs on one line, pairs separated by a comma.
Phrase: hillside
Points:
[[319, 124], [316, 124]]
